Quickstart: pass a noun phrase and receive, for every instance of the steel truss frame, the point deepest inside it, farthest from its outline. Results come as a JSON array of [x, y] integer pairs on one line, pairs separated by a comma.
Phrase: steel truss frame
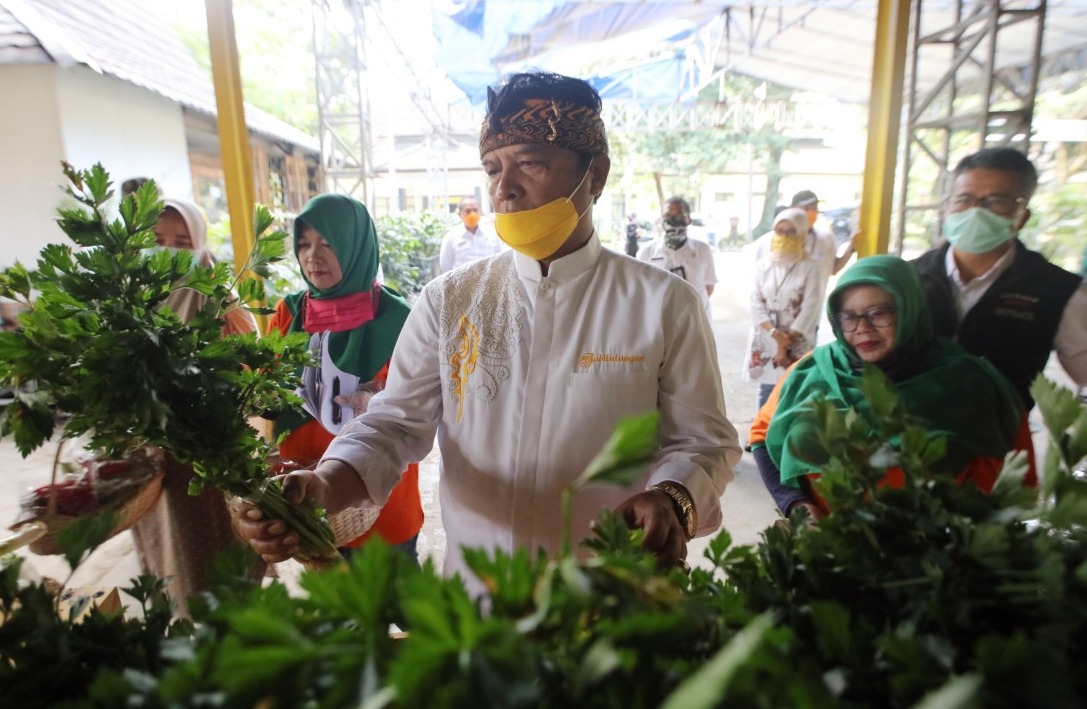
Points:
[[971, 106]]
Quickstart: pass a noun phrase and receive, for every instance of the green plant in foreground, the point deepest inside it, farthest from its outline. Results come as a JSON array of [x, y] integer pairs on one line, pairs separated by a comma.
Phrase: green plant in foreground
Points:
[[928, 596], [129, 372], [902, 592]]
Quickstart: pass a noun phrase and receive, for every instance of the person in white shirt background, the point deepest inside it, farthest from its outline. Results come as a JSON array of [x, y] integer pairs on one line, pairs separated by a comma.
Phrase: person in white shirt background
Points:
[[469, 241], [819, 246], [787, 294], [523, 363], [689, 259]]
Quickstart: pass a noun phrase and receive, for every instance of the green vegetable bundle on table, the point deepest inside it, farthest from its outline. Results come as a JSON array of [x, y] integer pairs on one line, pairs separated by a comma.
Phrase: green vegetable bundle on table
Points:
[[128, 372]]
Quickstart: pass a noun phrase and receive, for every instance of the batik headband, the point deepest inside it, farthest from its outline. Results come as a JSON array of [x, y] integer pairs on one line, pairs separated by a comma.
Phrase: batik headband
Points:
[[547, 122]]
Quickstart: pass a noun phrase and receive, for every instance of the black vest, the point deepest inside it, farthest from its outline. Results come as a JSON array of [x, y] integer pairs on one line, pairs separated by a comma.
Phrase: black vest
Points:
[[1014, 323]]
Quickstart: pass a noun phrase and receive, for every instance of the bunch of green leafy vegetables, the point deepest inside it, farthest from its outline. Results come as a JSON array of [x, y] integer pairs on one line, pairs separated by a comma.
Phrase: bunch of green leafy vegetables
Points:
[[934, 588], [930, 595], [128, 372]]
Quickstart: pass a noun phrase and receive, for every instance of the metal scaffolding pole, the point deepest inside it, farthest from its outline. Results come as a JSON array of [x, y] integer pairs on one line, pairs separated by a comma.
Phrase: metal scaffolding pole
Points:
[[971, 105], [345, 34], [343, 105]]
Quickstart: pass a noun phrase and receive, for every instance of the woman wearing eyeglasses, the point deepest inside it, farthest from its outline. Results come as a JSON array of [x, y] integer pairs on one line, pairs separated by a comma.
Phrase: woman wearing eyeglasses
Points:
[[880, 317], [353, 323]]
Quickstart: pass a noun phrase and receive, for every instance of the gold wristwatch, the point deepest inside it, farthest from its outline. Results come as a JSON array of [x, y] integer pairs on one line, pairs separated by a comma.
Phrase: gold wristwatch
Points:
[[683, 505]]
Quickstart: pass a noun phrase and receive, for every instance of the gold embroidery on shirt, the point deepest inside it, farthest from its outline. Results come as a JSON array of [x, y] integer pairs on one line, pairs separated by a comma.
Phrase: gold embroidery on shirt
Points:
[[463, 361], [588, 359], [482, 312]]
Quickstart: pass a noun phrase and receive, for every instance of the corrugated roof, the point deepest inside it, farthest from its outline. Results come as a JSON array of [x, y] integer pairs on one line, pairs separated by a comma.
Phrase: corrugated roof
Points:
[[18, 45], [124, 39]]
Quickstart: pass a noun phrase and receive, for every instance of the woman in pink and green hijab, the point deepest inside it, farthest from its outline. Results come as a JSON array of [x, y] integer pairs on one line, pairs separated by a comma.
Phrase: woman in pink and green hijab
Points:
[[353, 323], [362, 317]]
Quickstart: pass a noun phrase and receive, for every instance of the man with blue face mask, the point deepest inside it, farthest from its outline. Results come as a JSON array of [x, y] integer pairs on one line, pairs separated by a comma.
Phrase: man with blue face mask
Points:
[[986, 290], [523, 363]]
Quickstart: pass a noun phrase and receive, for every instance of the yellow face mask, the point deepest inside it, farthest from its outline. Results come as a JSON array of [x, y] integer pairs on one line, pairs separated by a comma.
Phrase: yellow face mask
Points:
[[786, 248], [539, 233]]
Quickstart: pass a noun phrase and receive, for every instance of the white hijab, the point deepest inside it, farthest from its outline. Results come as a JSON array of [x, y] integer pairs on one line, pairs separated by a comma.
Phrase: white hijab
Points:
[[197, 224], [183, 301], [784, 249]]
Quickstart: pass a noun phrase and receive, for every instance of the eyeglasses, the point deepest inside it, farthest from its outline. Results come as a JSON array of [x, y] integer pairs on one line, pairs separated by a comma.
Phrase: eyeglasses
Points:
[[995, 203], [880, 316]]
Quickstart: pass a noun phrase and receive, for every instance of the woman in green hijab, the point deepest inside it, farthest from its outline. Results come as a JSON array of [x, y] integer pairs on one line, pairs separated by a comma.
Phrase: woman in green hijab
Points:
[[353, 323], [880, 317]]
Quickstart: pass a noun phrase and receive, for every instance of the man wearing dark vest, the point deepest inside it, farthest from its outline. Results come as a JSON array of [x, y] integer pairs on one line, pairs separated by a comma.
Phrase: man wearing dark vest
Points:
[[986, 290]]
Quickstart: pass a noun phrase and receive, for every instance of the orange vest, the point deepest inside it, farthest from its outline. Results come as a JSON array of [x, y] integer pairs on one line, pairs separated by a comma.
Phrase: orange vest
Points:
[[402, 516]]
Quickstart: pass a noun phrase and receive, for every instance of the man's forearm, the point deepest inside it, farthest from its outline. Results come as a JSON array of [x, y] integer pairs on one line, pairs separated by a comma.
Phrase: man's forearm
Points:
[[345, 486]]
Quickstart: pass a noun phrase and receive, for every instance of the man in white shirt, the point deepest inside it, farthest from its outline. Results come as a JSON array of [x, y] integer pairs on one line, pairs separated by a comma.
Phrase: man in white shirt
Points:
[[992, 294], [468, 242], [523, 364], [689, 259]]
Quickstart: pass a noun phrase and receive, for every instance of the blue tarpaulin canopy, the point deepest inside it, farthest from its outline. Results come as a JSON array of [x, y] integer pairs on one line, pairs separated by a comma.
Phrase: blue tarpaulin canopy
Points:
[[823, 46], [479, 40]]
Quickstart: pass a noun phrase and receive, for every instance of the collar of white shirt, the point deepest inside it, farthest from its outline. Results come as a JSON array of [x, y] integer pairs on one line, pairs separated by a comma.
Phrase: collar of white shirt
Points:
[[983, 281], [466, 236], [564, 268]]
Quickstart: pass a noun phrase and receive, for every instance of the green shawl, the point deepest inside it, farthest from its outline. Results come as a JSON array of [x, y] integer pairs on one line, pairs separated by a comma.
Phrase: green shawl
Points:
[[960, 396], [347, 227]]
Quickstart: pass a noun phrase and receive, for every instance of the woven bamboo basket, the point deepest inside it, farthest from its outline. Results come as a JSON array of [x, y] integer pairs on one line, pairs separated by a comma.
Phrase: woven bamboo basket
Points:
[[352, 523], [347, 525], [129, 508]]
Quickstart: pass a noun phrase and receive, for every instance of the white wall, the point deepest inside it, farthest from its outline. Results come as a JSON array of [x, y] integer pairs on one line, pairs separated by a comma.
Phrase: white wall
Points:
[[31, 150], [133, 132], [835, 174], [82, 117]]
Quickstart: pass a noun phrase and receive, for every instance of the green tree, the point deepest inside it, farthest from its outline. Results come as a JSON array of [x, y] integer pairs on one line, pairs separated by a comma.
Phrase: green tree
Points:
[[1058, 228], [668, 162], [277, 64], [409, 248]]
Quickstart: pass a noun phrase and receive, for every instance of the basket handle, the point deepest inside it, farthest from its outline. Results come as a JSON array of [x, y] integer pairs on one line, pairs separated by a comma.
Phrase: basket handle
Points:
[[51, 504], [26, 533]]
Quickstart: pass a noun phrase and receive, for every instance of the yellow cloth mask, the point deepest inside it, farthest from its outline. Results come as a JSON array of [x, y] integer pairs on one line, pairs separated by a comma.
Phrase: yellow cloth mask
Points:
[[539, 233], [786, 248]]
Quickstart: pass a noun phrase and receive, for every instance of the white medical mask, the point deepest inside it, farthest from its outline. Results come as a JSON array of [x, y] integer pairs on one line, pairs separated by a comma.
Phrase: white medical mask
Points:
[[152, 250]]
